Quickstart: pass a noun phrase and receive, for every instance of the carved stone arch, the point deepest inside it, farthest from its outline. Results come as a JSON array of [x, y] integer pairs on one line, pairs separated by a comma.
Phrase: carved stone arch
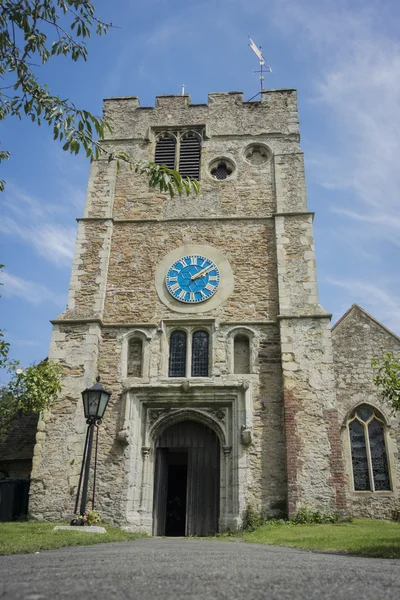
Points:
[[144, 337], [186, 414], [188, 132], [242, 329], [377, 410], [248, 349], [166, 133]]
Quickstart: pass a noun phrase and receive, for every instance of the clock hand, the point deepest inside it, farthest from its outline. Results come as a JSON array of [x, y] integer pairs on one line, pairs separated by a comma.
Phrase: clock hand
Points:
[[203, 272]]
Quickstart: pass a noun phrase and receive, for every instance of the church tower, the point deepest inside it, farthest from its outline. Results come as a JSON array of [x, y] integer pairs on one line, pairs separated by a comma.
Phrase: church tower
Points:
[[201, 316]]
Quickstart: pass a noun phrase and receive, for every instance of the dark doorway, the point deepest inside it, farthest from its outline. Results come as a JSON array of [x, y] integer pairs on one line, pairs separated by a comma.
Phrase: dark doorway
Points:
[[186, 481], [175, 522]]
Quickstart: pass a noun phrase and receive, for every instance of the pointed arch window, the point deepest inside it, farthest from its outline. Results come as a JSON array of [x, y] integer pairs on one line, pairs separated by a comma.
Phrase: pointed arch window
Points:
[[165, 150], [241, 353], [200, 354], [180, 150], [189, 155], [368, 450], [177, 354]]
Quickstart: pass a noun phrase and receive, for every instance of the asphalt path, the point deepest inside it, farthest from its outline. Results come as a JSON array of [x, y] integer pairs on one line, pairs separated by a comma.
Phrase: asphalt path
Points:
[[175, 569]]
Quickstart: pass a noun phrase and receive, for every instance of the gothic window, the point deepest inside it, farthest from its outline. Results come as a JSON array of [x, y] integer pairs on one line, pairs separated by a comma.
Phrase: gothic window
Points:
[[200, 354], [177, 354], [135, 358], [241, 354], [368, 450], [180, 151], [165, 150], [189, 155]]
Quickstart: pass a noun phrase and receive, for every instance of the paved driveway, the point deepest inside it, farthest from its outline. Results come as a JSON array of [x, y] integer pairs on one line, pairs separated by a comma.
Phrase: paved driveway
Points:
[[175, 569]]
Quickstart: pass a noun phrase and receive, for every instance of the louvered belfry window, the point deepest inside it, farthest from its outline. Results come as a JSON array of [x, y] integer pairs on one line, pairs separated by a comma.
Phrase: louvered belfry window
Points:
[[189, 155], [180, 151], [165, 150]]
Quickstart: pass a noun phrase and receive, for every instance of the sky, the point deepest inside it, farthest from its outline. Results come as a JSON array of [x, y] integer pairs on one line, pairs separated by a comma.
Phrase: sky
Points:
[[343, 57]]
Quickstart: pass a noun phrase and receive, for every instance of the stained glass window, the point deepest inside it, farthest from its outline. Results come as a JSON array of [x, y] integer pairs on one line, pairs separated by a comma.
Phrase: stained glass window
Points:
[[177, 354], [200, 354], [359, 457], [368, 451], [378, 455]]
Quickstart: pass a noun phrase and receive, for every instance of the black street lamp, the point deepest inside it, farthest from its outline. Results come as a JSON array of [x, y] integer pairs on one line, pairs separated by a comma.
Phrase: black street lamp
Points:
[[95, 400]]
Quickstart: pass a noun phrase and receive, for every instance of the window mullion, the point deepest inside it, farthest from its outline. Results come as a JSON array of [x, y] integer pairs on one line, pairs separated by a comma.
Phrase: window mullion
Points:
[[369, 458], [177, 151], [189, 354]]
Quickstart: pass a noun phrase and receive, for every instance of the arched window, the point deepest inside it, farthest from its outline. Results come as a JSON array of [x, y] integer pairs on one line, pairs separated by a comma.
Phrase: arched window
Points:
[[200, 354], [177, 354], [165, 150], [189, 155], [241, 354], [135, 358], [368, 450]]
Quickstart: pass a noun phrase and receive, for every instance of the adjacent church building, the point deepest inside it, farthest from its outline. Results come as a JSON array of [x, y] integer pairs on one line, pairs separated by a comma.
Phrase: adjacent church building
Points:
[[201, 316]]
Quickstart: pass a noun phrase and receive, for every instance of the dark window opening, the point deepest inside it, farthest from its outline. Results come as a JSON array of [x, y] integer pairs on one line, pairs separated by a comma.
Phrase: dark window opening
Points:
[[165, 151], [189, 156], [177, 354], [221, 171], [200, 354]]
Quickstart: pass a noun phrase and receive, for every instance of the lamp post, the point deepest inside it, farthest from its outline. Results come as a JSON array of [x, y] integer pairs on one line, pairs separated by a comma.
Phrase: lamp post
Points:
[[95, 400]]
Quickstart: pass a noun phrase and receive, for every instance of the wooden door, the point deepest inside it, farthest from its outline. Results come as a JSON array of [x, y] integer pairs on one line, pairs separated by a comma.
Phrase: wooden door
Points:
[[202, 500]]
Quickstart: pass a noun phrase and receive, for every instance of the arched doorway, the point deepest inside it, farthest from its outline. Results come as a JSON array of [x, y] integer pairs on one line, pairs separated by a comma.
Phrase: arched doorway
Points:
[[186, 480]]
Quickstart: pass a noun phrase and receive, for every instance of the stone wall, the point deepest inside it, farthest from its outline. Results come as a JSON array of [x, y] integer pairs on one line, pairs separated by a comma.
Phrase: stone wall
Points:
[[258, 221], [358, 337]]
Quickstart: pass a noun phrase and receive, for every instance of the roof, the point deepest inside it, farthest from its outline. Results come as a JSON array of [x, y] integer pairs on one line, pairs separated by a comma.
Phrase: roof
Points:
[[356, 307]]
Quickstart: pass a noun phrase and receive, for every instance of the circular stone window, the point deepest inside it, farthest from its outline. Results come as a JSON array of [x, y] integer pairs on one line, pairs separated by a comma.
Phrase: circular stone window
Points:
[[257, 154], [221, 168]]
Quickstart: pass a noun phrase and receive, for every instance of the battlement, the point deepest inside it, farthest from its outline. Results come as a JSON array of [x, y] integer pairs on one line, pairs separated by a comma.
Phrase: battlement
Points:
[[226, 113]]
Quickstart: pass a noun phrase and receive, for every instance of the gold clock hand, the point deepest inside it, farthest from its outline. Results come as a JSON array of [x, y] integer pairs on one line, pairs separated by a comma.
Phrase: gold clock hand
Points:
[[203, 272]]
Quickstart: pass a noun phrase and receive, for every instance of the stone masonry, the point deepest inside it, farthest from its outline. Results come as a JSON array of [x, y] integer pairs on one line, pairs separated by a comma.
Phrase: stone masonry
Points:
[[278, 425]]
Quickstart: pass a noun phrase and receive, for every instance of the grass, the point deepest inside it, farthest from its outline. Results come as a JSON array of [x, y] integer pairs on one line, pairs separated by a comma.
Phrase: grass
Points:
[[363, 537], [33, 536]]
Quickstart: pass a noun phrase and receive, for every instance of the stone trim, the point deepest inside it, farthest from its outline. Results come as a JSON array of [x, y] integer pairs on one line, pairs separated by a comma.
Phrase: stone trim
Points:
[[311, 316]]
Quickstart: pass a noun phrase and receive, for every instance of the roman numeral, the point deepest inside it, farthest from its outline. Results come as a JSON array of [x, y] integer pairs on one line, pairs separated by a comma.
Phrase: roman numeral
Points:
[[193, 260], [213, 278], [203, 294], [172, 279], [183, 262], [210, 287], [205, 262], [192, 298], [182, 295], [174, 287]]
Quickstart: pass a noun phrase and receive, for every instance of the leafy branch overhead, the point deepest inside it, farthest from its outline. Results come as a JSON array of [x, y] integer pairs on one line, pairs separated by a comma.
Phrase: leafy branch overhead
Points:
[[31, 33], [387, 378]]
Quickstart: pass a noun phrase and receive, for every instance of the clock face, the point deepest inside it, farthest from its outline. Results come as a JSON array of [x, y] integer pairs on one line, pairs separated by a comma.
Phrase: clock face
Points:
[[192, 279]]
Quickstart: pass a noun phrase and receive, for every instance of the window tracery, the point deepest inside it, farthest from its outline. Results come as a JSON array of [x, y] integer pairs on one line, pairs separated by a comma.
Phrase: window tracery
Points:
[[368, 450]]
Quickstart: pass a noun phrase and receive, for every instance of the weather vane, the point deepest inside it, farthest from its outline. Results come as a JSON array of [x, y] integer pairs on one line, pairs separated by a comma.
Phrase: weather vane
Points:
[[264, 66]]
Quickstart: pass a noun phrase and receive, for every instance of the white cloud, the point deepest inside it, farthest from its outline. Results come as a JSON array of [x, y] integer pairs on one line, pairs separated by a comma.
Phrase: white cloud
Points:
[[377, 298], [16, 287], [356, 85], [54, 242]]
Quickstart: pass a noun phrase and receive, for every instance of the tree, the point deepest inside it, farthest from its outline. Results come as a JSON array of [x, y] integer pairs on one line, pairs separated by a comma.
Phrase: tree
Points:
[[29, 390], [387, 378], [27, 29]]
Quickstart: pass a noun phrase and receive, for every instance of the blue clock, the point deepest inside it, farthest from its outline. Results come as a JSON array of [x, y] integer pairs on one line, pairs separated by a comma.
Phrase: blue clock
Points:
[[192, 279]]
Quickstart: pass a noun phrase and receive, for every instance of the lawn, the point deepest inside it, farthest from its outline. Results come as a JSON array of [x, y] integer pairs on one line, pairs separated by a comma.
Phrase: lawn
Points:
[[365, 537], [32, 536]]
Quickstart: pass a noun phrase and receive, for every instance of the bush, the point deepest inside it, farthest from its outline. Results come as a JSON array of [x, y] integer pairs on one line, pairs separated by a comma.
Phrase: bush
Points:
[[307, 516]]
